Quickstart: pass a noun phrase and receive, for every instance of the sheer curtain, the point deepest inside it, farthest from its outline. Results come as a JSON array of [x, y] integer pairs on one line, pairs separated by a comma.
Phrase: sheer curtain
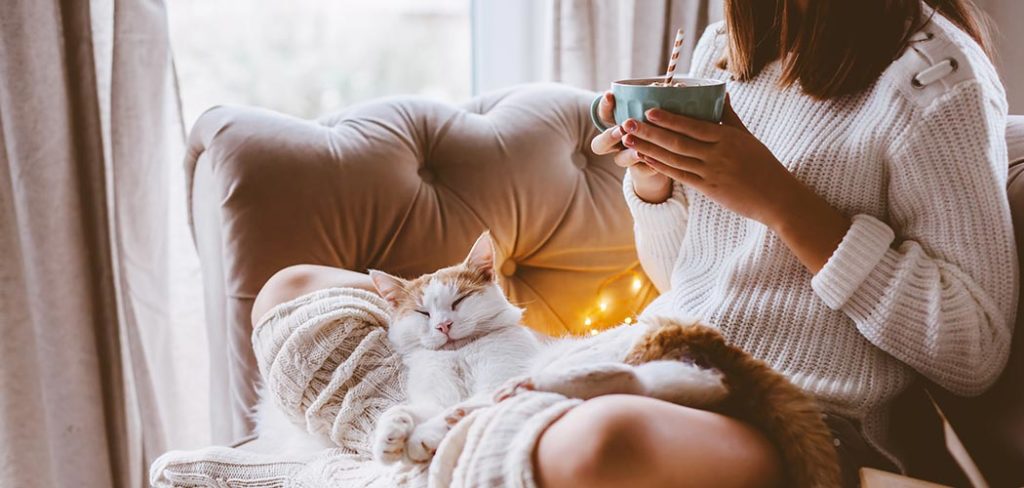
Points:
[[92, 143], [595, 42]]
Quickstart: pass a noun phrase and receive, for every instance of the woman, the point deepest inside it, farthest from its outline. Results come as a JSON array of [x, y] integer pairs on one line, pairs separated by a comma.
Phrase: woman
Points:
[[847, 223]]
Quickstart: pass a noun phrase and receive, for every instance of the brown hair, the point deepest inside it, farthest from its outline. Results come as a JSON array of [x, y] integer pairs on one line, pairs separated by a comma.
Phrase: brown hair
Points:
[[833, 47]]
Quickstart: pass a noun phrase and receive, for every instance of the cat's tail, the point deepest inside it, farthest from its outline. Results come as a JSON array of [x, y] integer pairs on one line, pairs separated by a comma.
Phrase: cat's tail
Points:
[[757, 394]]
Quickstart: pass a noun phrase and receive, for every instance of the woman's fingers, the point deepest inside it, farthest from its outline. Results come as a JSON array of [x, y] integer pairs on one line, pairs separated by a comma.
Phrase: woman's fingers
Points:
[[672, 141], [627, 158], [685, 163], [607, 141], [606, 108], [689, 126], [682, 176]]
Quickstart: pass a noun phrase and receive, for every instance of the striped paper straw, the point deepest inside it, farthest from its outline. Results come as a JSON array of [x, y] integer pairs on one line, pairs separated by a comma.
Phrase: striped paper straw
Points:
[[674, 58]]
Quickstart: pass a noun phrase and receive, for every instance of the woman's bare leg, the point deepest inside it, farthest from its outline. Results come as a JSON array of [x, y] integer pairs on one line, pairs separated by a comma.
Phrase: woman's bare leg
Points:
[[295, 281], [621, 440]]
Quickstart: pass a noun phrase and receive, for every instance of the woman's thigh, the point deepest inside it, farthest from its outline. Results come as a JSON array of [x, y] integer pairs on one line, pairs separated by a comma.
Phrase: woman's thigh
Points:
[[622, 440]]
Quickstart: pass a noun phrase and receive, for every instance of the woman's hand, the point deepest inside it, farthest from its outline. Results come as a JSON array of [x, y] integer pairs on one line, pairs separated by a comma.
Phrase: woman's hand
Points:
[[724, 162], [650, 185], [730, 166]]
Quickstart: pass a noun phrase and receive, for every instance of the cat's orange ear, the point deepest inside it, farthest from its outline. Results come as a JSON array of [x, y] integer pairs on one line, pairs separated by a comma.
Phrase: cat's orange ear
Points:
[[392, 288], [481, 257]]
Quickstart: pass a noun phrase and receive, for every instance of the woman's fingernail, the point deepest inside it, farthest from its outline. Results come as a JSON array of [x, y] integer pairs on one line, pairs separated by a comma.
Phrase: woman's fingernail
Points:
[[653, 114], [630, 126], [617, 132], [629, 140]]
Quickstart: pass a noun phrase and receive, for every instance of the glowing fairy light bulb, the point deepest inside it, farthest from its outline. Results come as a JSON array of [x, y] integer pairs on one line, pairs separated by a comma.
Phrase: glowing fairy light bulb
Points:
[[588, 322], [603, 305], [636, 284], [593, 331], [628, 320]]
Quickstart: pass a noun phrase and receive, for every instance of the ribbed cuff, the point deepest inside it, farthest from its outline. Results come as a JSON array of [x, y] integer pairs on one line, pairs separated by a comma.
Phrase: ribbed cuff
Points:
[[656, 218], [860, 251]]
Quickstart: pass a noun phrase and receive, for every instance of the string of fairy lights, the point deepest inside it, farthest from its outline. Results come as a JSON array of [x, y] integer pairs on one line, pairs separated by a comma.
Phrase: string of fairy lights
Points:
[[620, 298]]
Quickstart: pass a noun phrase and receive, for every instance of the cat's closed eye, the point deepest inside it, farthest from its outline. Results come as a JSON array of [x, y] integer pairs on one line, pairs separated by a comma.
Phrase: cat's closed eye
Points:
[[459, 300], [423, 313]]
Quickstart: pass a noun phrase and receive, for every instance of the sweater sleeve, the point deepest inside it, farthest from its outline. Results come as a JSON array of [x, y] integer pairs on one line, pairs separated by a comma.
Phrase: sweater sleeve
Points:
[[939, 292], [658, 230]]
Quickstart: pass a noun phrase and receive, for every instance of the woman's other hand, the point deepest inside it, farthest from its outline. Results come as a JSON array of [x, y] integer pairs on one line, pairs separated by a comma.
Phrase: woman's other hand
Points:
[[650, 185]]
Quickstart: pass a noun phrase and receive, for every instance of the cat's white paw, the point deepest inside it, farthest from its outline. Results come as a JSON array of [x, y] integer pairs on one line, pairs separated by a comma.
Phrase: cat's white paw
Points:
[[391, 434], [454, 414], [425, 438], [513, 387]]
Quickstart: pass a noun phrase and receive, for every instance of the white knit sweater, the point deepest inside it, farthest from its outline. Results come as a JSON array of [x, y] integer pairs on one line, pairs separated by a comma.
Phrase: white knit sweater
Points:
[[924, 282]]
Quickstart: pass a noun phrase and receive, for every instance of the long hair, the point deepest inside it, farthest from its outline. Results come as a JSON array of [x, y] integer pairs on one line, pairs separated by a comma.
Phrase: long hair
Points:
[[833, 47]]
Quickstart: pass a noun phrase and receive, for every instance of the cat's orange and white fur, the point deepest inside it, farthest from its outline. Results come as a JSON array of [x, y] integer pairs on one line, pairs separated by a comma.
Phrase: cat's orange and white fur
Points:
[[464, 345]]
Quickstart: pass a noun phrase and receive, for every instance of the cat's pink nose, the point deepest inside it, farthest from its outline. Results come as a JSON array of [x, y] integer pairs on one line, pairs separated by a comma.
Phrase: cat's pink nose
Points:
[[444, 326]]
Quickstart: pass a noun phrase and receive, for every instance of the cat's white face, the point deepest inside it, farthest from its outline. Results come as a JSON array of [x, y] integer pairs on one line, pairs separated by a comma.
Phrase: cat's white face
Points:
[[450, 307], [447, 316]]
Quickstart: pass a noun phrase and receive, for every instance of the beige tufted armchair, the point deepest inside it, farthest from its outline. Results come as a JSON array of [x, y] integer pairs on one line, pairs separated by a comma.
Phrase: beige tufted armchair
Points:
[[405, 185]]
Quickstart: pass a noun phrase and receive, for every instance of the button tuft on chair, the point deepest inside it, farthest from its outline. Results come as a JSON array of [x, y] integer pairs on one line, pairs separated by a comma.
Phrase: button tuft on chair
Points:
[[508, 268], [579, 160], [426, 175]]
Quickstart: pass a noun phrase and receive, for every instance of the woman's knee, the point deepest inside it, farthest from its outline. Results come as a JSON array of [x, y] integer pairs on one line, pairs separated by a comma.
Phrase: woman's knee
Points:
[[287, 283], [624, 440], [300, 279], [599, 443]]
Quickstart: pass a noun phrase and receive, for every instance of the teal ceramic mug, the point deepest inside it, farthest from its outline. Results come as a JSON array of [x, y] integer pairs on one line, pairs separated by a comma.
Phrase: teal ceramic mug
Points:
[[699, 98]]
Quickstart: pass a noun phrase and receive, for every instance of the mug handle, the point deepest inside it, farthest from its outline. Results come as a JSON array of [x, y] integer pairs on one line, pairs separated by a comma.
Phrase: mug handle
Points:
[[594, 117]]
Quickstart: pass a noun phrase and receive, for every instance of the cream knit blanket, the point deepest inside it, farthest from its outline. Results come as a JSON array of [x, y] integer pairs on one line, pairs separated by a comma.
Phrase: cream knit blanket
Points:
[[326, 358]]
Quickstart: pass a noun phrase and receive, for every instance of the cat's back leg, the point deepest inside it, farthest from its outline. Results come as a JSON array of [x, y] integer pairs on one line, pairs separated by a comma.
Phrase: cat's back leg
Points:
[[584, 382], [682, 383]]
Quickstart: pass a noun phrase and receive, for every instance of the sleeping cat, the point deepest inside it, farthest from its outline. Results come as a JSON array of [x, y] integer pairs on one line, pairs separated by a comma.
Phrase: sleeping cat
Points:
[[465, 348], [462, 341]]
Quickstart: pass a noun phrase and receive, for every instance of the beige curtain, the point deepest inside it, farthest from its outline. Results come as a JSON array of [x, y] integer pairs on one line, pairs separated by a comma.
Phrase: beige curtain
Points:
[[595, 42], [90, 136]]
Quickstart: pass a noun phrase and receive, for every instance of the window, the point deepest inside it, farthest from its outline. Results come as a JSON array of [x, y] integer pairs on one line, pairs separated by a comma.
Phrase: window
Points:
[[310, 57], [307, 58], [510, 42]]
